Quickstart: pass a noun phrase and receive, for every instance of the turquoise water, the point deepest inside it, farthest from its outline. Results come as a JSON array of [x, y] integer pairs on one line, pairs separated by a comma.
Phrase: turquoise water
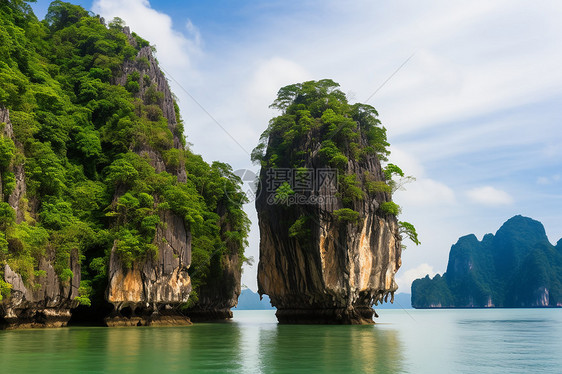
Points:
[[412, 341]]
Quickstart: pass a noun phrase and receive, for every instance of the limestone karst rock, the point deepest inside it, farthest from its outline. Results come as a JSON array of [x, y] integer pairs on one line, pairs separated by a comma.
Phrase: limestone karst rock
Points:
[[154, 289], [515, 268], [329, 247], [45, 300], [106, 215]]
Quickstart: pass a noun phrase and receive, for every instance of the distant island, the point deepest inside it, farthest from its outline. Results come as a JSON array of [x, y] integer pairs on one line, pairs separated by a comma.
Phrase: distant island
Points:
[[516, 268], [250, 300]]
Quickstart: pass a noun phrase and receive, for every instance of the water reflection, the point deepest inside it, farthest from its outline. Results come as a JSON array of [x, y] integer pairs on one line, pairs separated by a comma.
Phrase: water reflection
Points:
[[253, 344], [330, 349], [427, 341], [200, 348]]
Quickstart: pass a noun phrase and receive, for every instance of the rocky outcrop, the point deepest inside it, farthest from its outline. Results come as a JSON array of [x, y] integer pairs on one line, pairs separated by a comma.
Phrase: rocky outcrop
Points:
[[17, 197], [222, 287], [516, 267], [146, 65], [220, 292], [334, 270], [152, 291], [44, 300]]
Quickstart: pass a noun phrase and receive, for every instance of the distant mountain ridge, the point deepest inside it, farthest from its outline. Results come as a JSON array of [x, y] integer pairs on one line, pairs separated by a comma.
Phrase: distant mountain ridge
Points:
[[516, 267]]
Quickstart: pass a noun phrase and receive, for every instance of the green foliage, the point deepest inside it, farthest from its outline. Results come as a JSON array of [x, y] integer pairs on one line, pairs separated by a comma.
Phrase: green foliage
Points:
[[7, 216], [61, 14], [153, 96], [5, 288], [378, 186], [117, 23], [7, 151], [57, 215], [350, 189], [346, 214], [132, 87], [121, 172], [299, 228], [146, 80], [142, 61], [407, 229], [320, 110], [39, 273], [391, 170], [66, 275], [283, 192], [339, 161], [390, 207]]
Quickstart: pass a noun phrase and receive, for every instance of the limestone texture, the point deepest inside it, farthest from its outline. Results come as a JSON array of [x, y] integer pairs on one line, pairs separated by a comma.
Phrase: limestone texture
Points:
[[157, 287], [334, 270], [43, 301]]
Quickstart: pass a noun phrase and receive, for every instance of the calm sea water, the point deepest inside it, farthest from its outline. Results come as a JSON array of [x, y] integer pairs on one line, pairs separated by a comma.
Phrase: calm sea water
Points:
[[412, 341]]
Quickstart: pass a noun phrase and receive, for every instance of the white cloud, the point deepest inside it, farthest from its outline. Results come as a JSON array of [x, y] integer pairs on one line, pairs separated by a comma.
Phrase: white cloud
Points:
[[270, 75], [548, 180], [425, 192], [422, 191], [174, 49], [194, 33], [409, 164], [489, 195], [405, 279]]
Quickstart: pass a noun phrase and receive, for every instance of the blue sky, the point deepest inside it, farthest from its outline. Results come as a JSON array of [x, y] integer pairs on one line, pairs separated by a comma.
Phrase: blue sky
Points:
[[474, 115]]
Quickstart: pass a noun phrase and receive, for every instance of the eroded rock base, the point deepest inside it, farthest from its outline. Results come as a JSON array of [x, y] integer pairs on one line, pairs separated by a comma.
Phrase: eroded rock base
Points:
[[158, 320], [141, 316], [34, 318], [334, 316], [209, 315]]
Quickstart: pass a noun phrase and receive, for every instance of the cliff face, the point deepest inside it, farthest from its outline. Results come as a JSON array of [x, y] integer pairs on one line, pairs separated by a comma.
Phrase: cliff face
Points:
[[44, 303], [223, 284], [44, 300], [149, 293], [152, 291], [101, 202], [516, 267], [329, 257]]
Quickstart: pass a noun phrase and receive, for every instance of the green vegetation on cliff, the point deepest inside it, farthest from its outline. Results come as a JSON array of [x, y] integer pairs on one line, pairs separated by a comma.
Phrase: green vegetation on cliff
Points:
[[517, 267], [82, 144], [317, 121]]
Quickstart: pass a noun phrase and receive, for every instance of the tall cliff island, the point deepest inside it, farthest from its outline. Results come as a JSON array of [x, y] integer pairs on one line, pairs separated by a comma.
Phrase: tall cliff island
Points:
[[515, 268], [330, 241], [106, 216]]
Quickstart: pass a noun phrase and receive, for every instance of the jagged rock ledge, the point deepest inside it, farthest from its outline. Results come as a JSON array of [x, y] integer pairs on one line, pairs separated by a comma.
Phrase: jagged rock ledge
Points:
[[143, 316], [48, 305]]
